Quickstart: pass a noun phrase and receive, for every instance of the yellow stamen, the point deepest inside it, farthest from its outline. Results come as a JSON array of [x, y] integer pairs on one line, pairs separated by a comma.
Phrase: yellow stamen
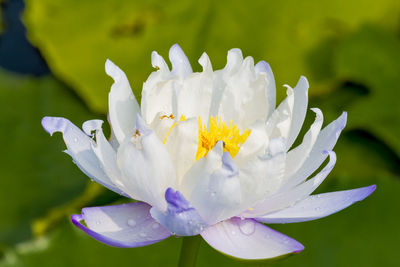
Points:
[[218, 131], [182, 118]]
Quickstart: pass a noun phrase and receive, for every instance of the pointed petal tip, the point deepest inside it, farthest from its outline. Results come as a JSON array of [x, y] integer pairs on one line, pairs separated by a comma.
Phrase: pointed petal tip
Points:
[[369, 190], [180, 63], [109, 66]]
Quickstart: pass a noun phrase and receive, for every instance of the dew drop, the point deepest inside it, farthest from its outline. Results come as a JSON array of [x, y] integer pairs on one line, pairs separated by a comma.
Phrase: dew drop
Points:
[[317, 208], [142, 235], [98, 222], [75, 140], [155, 225], [233, 233], [247, 227], [131, 222]]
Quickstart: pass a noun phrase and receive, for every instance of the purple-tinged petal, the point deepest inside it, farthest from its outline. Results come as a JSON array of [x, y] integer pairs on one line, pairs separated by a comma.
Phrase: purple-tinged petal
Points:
[[248, 239], [79, 147], [282, 200], [180, 218], [318, 206], [126, 225]]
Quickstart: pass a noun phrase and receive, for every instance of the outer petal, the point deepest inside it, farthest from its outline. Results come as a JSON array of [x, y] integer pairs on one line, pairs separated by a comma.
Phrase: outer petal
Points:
[[79, 147], [126, 225], [247, 239], [297, 156], [122, 104], [147, 169], [282, 200], [181, 218], [318, 206], [325, 142]]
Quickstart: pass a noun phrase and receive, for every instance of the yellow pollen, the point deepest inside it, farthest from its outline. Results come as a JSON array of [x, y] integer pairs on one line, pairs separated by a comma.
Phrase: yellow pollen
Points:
[[182, 118], [218, 131]]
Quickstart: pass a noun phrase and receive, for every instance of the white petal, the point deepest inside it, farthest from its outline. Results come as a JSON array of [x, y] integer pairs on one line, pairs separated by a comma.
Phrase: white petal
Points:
[[195, 91], [79, 147], [158, 96], [180, 63], [326, 140], [263, 67], [318, 206], [147, 169], [203, 167], [216, 196], [255, 144], [299, 110], [181, 144], [108, 158], [244, 100], [262, 175], [122, 104], [250, 240], [282, 200], [297, 156], [278, 124], [234, 61], [287, 119]]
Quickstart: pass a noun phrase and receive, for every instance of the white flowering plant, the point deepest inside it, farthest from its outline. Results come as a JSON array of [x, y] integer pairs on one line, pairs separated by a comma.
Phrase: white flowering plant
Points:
[[208, 154]]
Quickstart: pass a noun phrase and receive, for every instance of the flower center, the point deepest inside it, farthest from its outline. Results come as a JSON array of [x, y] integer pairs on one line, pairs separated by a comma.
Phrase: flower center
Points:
[[218, 131]]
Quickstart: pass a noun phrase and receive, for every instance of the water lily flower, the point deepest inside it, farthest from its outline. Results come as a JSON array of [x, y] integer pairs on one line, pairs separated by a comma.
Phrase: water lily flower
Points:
[[206, 153]]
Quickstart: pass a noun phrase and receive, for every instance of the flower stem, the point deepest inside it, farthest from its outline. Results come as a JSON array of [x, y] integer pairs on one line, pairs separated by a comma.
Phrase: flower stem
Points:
[[189, 250]]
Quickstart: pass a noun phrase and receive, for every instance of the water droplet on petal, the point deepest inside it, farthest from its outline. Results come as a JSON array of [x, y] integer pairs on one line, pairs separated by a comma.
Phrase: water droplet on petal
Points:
[[317, 208], [155, 225], [131, 222], [98, 222], [247, 227], [75, 140], [142, 235], [233, 233]]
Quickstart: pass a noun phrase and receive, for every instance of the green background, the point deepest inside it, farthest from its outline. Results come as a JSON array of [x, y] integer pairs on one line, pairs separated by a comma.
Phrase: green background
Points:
[[349, 51]]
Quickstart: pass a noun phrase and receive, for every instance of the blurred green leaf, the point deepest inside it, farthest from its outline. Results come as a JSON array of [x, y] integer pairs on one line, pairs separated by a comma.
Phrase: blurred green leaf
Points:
[[68, 246], [35, 174], [371, 57], [76, 37]]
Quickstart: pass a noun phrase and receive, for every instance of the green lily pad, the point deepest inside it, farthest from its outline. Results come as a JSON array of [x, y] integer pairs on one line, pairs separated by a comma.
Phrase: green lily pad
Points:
[[76, 37], [35, 174]]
